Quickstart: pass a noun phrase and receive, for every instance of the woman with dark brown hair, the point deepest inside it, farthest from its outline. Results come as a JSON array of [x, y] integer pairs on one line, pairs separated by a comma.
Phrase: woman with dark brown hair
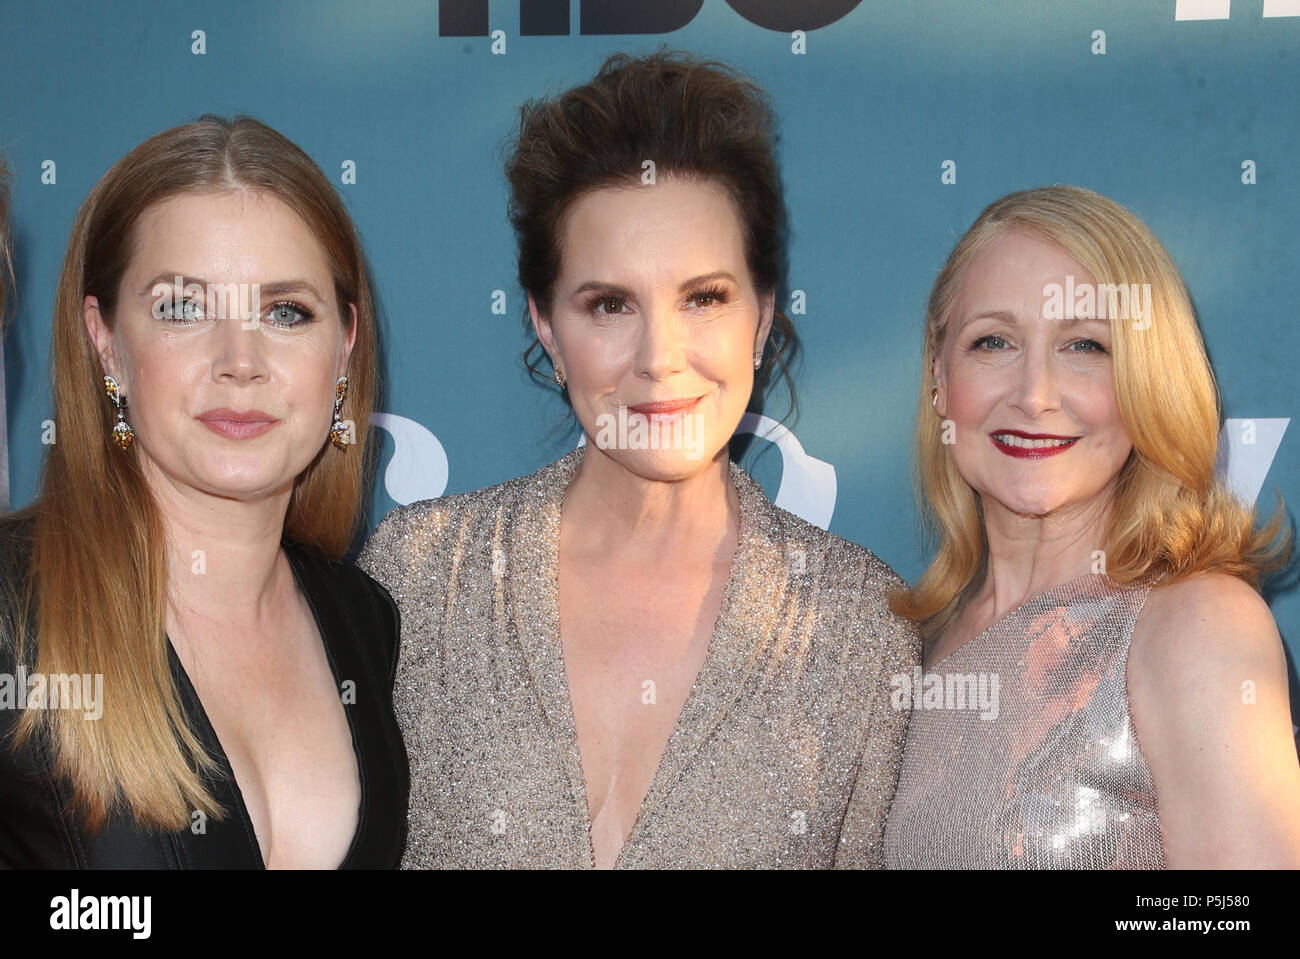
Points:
[[631, 658], [197, 681]]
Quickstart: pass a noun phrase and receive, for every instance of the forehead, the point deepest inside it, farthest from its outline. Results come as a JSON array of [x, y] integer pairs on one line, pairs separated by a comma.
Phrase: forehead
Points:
[[1013, 273], [1019, 258], [232, 234], [672, 224]]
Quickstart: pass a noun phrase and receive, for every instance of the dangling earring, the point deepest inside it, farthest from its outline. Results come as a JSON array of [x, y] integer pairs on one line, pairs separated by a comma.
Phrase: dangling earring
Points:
[[560, 381], [122, 433], [339, 432], [934, 398], [758, 359]]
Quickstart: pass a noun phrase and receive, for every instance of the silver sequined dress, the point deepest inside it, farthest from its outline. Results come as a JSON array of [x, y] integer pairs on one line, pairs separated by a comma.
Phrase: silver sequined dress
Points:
[[1052, 778], [785, 753]]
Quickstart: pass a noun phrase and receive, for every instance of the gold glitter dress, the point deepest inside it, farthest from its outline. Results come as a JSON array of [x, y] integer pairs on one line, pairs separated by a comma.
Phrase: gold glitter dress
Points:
[[785, 753], [1052, 778]]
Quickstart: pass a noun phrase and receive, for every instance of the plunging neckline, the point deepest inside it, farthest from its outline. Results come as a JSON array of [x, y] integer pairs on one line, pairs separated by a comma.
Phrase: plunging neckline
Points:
[[202, 717], [1051, 590], [707, 674]]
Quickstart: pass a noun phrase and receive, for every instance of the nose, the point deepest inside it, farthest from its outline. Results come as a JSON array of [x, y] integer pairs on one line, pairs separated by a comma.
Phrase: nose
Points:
[[1036, 391], [661, 351], [239, 350]]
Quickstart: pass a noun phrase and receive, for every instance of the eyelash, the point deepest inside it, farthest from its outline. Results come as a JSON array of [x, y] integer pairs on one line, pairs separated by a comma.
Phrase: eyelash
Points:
[[715, 293], [306, 315], [1097, 347]]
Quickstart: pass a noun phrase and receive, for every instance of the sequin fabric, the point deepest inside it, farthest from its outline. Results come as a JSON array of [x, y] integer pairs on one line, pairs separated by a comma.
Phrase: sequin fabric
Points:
[[1056, 779], [785, 753]]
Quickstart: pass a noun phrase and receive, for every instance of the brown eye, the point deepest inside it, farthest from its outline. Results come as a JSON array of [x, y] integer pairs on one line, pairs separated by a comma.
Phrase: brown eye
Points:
[[606, 304], [703, 299]]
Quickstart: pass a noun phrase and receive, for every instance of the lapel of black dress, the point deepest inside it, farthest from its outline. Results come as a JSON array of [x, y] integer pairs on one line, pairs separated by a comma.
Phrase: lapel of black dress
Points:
[[232, 841], [333, 600]]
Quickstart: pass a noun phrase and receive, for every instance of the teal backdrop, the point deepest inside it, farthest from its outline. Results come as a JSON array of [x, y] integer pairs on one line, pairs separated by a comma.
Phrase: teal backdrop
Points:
[[900, 121]]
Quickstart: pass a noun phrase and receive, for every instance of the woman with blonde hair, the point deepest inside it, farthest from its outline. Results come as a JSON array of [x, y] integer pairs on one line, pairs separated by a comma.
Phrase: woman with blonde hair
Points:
[[198, 680], [1092, 576]]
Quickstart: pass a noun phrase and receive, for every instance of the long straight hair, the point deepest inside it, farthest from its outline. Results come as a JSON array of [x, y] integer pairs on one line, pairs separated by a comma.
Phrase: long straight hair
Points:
[[96, 589], [1170, 517]]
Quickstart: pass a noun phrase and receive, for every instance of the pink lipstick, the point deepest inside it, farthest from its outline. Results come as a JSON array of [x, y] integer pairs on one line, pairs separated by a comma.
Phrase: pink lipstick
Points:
[[237, 424], [665, 407]]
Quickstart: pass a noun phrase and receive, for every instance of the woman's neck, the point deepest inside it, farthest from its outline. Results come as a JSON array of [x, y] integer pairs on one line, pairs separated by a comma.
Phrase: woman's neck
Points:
[[1028, 555], [609, 506], [224, 564]]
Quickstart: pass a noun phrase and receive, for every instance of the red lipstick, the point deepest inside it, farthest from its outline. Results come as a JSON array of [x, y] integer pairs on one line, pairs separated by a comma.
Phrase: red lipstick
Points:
[[1033, 446]]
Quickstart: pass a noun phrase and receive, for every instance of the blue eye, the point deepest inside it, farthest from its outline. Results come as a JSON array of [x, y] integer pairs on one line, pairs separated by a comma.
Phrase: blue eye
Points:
[[990, 340], [1092, 346], [165, 308], [287, 313]]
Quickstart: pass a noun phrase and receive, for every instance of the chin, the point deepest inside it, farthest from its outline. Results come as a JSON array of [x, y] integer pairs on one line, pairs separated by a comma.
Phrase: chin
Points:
[[1027, 503], [663, 465], [240, 478]]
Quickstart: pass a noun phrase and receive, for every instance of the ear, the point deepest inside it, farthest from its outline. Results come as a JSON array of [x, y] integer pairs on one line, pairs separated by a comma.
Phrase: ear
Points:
[[766, 310], [349, 341], [542, 327], [101, 336]]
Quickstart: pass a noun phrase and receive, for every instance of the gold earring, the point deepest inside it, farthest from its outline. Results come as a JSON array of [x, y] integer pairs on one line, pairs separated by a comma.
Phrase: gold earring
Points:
[[560, 381], [123, 435], [934, 398], [339, 434]]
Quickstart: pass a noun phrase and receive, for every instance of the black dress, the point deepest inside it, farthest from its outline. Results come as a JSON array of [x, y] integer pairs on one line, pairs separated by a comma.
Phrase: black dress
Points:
[[359, 624]]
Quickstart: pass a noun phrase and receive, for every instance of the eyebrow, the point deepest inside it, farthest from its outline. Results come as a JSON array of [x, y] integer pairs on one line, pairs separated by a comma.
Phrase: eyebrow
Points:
[[1008, 317], [682, 288], [275, 288]]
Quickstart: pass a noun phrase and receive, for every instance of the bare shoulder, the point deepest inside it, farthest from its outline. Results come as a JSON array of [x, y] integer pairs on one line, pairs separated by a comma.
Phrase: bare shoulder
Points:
[[1203, 648], [1195, 627], [1207, 685]]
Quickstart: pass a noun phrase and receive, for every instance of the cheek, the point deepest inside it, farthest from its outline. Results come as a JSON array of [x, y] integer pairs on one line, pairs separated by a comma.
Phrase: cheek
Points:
[[164, 379], [972, 394], [1092, 402], [305, 385], [596, 360]]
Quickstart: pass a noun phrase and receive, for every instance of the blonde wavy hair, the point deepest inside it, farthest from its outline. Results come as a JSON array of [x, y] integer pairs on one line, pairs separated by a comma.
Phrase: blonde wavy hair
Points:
[[1170, 516], [96, 586]]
